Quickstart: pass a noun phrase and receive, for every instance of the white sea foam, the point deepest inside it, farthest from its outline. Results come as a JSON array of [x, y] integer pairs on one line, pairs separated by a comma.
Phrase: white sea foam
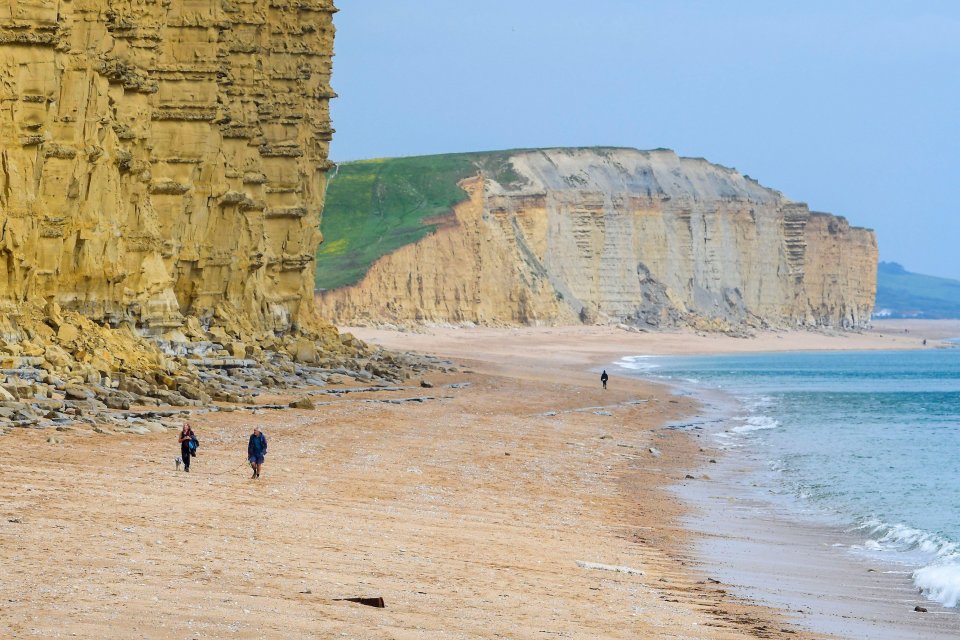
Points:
[[940, 582], [722, 440], [638, 363], [939, 579], [755, 423], [755, 404], [901, 537]]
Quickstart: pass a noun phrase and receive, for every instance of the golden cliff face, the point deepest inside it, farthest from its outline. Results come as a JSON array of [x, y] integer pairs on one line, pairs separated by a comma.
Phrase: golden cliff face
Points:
[[164, 159], [623, 236]]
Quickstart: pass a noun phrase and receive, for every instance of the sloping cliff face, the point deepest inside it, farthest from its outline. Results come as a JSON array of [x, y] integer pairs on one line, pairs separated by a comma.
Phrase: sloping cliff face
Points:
[[623, 236], [164, 159]]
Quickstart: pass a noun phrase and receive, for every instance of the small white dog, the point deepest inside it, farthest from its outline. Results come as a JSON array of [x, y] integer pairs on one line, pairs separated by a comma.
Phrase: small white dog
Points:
[[179, 461]]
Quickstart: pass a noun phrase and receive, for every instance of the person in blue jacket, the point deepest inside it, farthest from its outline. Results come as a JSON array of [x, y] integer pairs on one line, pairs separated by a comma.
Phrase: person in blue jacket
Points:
[[256, 450]]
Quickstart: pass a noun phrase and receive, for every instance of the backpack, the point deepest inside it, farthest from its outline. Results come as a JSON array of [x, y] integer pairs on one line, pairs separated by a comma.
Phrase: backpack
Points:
[[192, 445]]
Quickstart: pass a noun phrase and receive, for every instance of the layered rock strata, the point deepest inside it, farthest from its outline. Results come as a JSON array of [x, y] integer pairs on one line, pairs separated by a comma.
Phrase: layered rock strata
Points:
[[162, 171], [623, 236], [163, 159], [68, 372]]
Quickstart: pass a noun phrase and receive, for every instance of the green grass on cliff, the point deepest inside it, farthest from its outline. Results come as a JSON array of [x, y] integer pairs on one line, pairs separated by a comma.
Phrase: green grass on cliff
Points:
[[902, 294], [374, 207]]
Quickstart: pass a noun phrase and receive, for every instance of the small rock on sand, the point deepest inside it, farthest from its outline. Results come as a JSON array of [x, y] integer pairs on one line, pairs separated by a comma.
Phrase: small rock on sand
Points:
[[302, 403]]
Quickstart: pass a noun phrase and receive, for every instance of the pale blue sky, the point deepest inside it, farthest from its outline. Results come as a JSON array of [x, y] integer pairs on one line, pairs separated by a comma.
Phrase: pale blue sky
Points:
[[852, 107]]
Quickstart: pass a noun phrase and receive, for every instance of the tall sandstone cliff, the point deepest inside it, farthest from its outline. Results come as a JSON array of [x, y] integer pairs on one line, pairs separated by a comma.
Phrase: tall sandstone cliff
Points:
[[163, 158], [624, 236]]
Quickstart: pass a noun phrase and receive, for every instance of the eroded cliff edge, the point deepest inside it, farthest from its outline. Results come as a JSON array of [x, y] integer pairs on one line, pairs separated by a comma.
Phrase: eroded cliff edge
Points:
[[622, 236]]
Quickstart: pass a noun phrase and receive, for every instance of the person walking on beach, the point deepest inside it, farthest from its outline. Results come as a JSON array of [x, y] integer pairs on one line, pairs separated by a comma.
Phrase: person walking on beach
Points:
[[188, 448], [256, 449], [603, 378]]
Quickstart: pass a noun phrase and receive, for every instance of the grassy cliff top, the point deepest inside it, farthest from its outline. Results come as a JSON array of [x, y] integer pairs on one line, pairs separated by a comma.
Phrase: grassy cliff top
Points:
[[374, 207]]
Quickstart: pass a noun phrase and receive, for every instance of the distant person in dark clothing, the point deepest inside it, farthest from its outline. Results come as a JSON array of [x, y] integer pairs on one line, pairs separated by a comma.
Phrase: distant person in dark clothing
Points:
[[256, 450], [603, 378], [186, 438]]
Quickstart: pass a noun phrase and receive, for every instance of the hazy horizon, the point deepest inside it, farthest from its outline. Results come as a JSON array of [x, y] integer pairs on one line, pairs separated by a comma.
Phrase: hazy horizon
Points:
[[851, 110]]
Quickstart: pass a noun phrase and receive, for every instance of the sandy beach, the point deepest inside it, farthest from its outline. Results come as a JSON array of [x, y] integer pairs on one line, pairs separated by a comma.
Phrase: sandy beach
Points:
[[579, 346], [513, 498]]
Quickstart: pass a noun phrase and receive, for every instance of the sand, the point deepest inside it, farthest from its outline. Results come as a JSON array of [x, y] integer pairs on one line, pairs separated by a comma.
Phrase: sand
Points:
[[467, 512], [583, 346]]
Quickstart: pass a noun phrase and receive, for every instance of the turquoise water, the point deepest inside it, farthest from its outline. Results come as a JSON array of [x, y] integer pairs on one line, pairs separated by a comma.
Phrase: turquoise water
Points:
[[871, 439]]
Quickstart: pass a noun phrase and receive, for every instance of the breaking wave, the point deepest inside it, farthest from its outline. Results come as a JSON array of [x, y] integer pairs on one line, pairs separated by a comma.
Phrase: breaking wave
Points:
[[939, 578]]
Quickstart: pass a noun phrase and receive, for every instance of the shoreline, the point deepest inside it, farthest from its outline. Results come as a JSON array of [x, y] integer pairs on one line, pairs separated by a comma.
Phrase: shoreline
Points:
[[467, 503], [599, 345], [505, 501], [876, 598], [772, 550]]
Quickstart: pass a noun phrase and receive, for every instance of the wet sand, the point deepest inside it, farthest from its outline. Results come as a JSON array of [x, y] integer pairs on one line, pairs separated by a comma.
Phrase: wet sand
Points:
[[760, 544], [766, 552], [467, 511]]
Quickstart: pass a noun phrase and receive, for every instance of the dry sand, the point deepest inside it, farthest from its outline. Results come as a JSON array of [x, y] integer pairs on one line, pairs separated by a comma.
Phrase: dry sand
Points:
[[581, 346], [467, 513]]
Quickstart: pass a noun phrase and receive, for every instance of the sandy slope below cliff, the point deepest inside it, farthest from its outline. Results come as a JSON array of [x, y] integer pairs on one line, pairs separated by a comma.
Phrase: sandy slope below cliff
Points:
[[466, 513]]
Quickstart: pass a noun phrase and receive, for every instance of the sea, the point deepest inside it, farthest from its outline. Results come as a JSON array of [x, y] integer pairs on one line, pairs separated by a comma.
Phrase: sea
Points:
[[868, 442]]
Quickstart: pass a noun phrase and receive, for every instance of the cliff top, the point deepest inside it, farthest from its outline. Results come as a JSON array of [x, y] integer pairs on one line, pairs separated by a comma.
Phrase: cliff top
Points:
[[658, 172]]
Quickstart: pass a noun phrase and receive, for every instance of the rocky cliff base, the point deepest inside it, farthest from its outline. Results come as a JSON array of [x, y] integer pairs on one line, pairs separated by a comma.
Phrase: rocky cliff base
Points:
[[64, 369]]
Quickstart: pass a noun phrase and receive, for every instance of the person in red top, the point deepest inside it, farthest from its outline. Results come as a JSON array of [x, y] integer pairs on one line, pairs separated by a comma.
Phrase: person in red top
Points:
[[186, 450]]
